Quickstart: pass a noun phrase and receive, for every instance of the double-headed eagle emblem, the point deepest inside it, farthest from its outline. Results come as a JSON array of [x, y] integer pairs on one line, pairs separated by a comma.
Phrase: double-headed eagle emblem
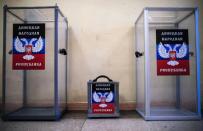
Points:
[[178, 51], [102, 98], [33, 46]]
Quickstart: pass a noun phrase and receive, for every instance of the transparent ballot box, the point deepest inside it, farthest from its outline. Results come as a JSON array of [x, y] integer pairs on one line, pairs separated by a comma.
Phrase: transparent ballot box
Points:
[[34, 63], [168, 64]]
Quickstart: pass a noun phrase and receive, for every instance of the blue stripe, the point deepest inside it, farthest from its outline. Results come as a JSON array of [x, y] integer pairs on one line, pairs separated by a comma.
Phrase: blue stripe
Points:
[[41, 52]]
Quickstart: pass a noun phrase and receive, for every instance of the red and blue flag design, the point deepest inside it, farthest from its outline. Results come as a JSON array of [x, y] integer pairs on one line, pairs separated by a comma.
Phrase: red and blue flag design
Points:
[[172, 52], [103, 98], [28, 47]]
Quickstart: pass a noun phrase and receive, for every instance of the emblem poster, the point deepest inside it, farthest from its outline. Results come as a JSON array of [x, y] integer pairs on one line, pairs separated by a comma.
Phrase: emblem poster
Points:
[[172, 49], [103, 98], [28, 46]]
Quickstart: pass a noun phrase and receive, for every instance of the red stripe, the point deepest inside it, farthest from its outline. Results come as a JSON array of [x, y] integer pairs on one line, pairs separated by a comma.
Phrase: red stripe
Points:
[[181, 69], [38, 63], [107, 110]]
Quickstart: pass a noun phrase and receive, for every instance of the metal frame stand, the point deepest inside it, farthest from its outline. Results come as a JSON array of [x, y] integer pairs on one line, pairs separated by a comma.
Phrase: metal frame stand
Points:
[[147, 114], [35, 113]]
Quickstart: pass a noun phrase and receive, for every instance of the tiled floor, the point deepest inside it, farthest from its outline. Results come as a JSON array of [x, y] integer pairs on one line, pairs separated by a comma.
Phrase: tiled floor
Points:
[[77, 121]]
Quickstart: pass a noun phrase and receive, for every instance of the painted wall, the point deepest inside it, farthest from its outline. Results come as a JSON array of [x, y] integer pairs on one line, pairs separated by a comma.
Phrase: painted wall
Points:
[[101, 40]]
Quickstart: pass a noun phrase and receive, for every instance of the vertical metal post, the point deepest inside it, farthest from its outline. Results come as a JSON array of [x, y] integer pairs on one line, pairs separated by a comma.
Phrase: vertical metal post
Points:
[[147, 64], [178, 92], [57, 111], [4, 60], [134, 59], [66, 65], [177, 83], [25, 84], [198, 62], [24, 88]]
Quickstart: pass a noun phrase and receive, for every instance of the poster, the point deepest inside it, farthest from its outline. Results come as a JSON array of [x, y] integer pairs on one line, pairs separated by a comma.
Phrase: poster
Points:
[[172, 49], [28, 46], [103, 98]]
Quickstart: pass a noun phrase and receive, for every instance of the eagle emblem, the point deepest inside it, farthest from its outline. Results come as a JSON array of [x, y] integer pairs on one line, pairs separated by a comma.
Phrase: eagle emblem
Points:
[[32, 46], [102, 98], [167, 52]]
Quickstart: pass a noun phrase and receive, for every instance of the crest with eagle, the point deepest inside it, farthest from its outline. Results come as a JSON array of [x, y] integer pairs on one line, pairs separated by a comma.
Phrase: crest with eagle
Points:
[[103, 98], [166, 51], [28, 47]]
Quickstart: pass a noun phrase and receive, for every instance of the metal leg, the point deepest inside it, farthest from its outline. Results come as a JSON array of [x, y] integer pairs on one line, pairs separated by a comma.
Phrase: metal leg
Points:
[[177, 83], [198, 62], [16, 16], [24, 88], [57, 110], [25, 85], [147, 65], [66, 70], [4, 61], [178, 92]]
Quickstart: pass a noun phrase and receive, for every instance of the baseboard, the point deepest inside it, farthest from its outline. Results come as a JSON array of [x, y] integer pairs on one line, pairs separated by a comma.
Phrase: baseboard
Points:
[[82, 106], [77, 106], [74, 105]]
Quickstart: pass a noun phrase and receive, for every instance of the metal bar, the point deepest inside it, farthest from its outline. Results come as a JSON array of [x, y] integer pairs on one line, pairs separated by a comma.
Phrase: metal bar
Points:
[[4, 60], [117, 97], [177, 83], [66, 67], [89, 89], [164, 9], [162, 23], [66, 21], [173, 118], [32, 7], [136, 65], [188, 15], [57, 110], [41, 21], [161, 26], [16, 16], [178, 92], [24, 88], [139, 17], [169, 8], [25, 85], [61, 13], [198, 61], [147, 64]]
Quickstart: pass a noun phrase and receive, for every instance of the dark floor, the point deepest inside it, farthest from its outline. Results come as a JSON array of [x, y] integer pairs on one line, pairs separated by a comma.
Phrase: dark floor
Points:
[[77, 121]]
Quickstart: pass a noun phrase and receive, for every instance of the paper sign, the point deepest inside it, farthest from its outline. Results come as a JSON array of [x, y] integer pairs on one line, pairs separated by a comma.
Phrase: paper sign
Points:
[[103, 98], [28, 46], [172, 49]]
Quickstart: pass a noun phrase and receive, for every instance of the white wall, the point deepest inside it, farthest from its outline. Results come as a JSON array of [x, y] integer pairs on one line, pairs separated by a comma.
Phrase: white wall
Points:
[[101, 38]]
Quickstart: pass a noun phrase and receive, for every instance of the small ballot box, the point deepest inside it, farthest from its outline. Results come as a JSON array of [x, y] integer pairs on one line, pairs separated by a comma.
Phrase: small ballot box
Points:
[[103, 98]]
